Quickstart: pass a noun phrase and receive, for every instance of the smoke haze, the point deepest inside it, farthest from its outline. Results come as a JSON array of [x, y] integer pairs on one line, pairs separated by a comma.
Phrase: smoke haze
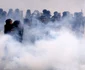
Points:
[[60, 50], [44, 47]]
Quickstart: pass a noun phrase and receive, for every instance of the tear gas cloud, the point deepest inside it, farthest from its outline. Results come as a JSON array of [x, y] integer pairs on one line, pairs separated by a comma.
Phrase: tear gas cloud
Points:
[[52, 46]]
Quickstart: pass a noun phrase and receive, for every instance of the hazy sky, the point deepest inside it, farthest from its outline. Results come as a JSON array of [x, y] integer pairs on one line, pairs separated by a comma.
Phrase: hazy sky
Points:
[[59, 5]]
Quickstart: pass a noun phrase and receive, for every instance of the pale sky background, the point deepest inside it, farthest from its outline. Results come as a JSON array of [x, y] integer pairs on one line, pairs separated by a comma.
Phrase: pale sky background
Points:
[[52, 5]]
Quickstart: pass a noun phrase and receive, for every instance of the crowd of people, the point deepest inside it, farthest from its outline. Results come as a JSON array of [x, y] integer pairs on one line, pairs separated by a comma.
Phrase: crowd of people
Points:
[[74, 21]]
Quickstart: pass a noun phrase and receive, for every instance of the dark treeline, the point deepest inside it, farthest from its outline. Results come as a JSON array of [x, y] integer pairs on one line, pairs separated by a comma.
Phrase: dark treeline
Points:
[[75, 21]]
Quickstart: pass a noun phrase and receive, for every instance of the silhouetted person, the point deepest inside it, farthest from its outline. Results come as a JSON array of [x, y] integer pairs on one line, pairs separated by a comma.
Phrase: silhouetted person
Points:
[[28, 15], [45, 17], [56, 16], [1, 10], [78, 25], [18, 30], [10, 14], [4, 15], [17, 14], [36, 14], [46, 13], [8, 26], [66, 14]]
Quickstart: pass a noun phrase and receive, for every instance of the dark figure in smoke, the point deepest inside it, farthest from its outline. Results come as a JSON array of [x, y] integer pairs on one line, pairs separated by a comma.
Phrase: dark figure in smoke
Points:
[[17, 14], [45, 17], [78, 25], [56, 16], [10, 14], [18, 30], [1, 11], [4, 15], [28, 15], [66, 14], [8, 26]]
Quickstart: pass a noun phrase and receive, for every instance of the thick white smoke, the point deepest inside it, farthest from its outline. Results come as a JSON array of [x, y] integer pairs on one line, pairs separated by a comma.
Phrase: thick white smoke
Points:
[[44, 47], [60, 51]]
